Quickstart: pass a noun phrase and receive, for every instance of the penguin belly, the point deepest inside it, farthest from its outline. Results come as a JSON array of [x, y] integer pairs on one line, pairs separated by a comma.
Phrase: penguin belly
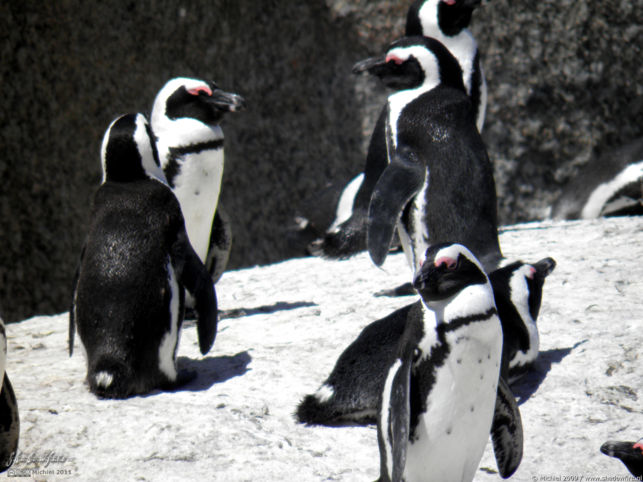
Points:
[[451, 435], [197, 188]]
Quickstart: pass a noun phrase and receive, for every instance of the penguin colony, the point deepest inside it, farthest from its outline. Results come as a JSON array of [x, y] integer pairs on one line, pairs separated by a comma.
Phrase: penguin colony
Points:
[[433, 376]]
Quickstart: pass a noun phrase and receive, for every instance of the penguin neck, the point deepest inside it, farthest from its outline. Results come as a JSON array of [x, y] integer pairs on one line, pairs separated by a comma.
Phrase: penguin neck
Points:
[[399, 100], [181, 137], [468, 302]]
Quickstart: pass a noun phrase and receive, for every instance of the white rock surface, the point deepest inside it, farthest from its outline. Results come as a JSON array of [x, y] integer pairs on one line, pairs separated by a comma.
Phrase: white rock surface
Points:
[[235, 423]]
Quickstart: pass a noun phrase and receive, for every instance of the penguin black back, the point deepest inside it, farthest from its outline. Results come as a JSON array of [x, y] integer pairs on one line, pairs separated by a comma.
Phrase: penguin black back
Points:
[[431, 135], [136, 261]]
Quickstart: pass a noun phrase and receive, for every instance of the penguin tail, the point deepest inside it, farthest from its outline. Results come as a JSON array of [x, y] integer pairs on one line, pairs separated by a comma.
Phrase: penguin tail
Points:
[[111, 378], [323, 408]]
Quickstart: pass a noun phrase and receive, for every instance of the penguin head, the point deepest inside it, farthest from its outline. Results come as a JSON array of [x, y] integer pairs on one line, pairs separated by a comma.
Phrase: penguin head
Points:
[[534, 275], [433, 17], [200, 100], [413, 62], [446, 270], [128, 151], [630, 453]]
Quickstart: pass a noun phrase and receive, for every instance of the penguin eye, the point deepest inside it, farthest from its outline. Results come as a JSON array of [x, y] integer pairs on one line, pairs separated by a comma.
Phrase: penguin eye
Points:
[[450, 263], [201, 89]]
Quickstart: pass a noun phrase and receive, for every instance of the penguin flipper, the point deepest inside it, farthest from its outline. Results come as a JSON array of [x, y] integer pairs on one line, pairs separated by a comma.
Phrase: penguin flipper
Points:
[[394, 421], [220, 244], [506, 431], [399, 182], [194, 276], [9, 425]]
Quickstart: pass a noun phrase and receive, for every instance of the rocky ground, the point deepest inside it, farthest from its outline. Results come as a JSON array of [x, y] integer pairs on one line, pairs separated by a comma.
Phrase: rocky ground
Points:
[[283, 327]]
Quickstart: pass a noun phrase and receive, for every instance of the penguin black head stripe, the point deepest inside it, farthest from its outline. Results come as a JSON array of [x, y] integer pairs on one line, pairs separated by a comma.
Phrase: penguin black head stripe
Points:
[[203, 101], [450, 15], [412, 62], [128, 152], [448, 274]]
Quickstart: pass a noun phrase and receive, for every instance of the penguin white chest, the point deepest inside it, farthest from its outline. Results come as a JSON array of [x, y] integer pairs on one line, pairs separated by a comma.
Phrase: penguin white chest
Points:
[[451, 435], [197, 188]]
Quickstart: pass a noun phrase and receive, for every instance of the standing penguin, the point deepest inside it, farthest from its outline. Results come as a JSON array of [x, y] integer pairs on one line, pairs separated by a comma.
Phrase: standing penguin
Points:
[[135, 265], [438, 184], [186, 119], [446, 21], [438, 401], [9, 417]]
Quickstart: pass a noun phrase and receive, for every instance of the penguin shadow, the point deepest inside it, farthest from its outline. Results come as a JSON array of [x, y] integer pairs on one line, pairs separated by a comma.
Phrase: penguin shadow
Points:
[[212, 370], [524, 388], [262, 310]]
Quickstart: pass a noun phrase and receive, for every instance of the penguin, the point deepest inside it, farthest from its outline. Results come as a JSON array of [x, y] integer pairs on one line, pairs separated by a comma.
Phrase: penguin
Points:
[[630, 453], [438, 185], [517, 290], [185, 119], [437, 406], [135, 265], [446, 21], [609, 185], [9, 416], [350, 393]]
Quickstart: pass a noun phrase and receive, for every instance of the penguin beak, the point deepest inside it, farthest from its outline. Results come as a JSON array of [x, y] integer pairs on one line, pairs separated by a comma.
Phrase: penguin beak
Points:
[[372, 65], [471, 3], [226, 101], [544, 267]]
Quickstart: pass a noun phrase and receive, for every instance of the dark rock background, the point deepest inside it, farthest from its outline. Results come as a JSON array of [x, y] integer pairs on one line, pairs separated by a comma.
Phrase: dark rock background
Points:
[[564, 84]]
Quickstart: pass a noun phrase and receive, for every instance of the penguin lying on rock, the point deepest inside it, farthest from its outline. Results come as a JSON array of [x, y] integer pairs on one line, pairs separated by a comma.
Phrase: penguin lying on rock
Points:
[[446, 21], [137, 261], [609, 185], [9, 417], [186, 119], [349, 395]]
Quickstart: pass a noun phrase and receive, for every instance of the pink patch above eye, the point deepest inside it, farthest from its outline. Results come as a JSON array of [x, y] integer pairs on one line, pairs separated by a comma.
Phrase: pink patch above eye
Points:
[[638, 445], [395, 59], [449, 2], [449, 262], [200, 89], [532, 272]]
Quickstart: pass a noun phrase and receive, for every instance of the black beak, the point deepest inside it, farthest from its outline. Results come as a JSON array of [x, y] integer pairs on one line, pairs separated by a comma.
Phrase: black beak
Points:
[[370, 65], [227, 101], [544, 267], [471, 3]]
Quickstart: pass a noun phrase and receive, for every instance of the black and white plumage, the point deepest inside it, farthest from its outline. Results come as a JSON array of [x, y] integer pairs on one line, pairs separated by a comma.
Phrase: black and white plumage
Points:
[[441, 387], [630, 453], [9, 416], [349, 395], [186, 119], [438, 185], [135, 265], [446, 21], [517, 289], [609, 185]]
